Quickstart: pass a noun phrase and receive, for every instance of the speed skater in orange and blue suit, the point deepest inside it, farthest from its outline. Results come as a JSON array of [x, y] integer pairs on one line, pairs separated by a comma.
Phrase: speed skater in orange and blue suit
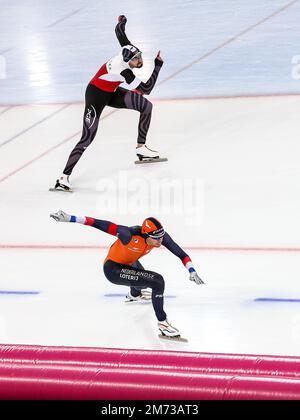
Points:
[[122, 265]]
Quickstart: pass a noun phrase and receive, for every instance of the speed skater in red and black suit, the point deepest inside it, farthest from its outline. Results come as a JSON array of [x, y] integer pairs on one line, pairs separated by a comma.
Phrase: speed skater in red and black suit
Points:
[[115, 85]]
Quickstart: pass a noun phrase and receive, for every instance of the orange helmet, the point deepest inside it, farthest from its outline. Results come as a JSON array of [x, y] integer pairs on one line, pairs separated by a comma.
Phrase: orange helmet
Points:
[[153, 228]]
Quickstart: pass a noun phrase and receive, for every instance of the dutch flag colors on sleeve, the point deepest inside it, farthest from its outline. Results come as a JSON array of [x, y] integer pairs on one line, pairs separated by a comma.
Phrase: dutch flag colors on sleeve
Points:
[[103, 225], [83, 220], [187, 262]]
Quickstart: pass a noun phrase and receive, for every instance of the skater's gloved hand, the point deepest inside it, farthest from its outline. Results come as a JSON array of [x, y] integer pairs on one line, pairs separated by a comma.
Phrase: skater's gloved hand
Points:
[[194, 277], [158, 60], [61, 216], [122, 19]]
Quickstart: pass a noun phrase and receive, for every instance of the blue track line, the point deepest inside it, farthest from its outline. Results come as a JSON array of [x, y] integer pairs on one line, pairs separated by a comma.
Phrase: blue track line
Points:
[[17, 292], [276, 300]]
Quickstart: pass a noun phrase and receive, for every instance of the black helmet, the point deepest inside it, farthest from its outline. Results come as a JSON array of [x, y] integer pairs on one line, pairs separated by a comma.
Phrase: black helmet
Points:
[[129, 52]]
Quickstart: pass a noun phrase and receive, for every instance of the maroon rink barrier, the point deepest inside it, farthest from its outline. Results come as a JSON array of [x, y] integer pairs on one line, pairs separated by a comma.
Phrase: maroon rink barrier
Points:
[[40, 372]]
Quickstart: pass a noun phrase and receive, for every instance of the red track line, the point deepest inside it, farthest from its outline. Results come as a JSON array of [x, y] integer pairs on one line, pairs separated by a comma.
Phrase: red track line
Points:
[[35, 104], [220, 97], [38, 157], [191, 247], [178, 99], [25, 130], [6, 109], [192, 98], [47, 152]]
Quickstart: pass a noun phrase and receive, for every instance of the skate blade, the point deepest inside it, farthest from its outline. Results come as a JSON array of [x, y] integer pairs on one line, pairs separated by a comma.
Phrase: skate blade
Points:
[[154, 160], [147, 297], [177, 339], [138, 301], [55, 189]]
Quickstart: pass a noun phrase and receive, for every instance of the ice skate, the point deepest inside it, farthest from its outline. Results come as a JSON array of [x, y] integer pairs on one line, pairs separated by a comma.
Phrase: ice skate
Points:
[[145, 296], [169, 332], [62, 184], [147, 155]]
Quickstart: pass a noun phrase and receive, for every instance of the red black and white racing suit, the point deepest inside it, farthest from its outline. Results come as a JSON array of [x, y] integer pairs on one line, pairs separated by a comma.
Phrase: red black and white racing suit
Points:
[[115, 85]]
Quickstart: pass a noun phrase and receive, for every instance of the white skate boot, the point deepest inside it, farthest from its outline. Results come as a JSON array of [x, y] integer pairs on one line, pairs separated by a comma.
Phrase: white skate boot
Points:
[[147, 155], [62, 184], [169, 332], [145, 296]]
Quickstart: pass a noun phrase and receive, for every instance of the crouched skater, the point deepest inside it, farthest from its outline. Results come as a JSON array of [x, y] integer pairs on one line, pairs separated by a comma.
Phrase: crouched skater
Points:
[[122, 265]]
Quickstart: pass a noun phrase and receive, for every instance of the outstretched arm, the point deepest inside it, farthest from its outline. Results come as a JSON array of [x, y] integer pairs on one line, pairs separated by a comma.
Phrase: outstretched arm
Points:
[[146, 87], [179, 252], [120, 31], [122, 232]]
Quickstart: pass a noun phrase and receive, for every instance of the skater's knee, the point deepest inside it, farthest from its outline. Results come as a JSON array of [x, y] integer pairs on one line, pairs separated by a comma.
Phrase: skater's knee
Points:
[[160, 282]]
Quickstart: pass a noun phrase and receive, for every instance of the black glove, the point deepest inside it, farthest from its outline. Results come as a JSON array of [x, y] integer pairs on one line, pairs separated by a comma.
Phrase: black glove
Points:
[[122, 19], [158, 60]]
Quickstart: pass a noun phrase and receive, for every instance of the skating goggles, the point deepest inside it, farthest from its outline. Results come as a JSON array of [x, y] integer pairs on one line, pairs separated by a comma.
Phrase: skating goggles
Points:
[[137, 56], [156, 237]]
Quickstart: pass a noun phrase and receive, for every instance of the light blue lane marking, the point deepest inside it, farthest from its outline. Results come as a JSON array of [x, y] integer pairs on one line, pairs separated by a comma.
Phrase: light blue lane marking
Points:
[[275, 300], [16, 292]]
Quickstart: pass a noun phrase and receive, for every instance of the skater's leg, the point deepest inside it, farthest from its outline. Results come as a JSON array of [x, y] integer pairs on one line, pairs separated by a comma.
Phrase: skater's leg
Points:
[[137, 102], [130, 276], [95, 101], [136, 291]]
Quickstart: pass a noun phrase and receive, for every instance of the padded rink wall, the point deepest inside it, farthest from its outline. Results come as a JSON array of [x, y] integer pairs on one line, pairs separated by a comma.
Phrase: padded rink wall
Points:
[[38, 372]]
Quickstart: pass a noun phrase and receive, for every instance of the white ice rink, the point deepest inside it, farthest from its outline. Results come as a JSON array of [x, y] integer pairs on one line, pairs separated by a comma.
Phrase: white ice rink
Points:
[[237, 155]]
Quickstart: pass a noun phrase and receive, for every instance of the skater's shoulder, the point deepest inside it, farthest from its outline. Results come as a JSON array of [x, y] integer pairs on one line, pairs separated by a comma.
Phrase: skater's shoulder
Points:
[[116, 64], [135, 230]]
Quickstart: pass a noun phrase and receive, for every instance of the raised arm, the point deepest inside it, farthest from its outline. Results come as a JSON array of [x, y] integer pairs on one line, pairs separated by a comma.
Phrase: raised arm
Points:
[[179, 252], [122, 232], [120, 31], [176, 250], [146, 87]]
